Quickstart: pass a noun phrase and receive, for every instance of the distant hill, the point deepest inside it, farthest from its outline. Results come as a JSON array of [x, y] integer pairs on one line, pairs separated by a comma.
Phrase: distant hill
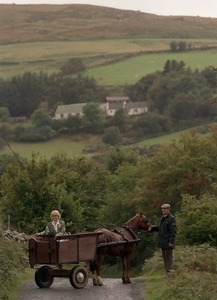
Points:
[[22, 23]]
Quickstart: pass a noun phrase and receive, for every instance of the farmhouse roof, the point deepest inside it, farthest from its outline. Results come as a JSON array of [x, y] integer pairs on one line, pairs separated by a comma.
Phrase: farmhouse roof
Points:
[[136, 104], [117, 98], [115, 105], [70, 108], [128, 105]]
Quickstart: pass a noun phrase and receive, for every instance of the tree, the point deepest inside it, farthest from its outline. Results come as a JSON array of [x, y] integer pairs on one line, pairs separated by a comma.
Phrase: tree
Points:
[[187, 166], [138, 91], [6, 129], [75, 187], [173, 46], [151, 124], [4, 114], [73, 124], [93, 118], [193, 215], [29, 194], [36, 134], [112, 136], [119, 119], [40, 118], [183, 107], [86, 183], [117, 157], [182, 46], [73, 65]]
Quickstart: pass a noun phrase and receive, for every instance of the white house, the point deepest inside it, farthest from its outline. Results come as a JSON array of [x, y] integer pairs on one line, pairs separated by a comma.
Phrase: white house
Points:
[[69, 110], [132, 108], [110, 107]]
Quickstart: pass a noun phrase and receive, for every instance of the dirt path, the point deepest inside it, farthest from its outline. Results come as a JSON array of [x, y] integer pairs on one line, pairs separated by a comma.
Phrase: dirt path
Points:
[[61, 289]]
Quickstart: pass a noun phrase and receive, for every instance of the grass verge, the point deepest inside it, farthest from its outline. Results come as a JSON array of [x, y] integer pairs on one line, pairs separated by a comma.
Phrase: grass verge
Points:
[[19, 281], [194, 277]]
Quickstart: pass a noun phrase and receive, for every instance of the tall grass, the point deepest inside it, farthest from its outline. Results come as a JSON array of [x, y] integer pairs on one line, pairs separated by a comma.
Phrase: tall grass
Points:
[[195, 276]]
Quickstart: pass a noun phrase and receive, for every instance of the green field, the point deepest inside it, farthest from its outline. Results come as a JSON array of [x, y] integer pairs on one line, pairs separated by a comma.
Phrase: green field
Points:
[[71, 147], [74, 145], [43, 37], [107, 60], [131, 70]]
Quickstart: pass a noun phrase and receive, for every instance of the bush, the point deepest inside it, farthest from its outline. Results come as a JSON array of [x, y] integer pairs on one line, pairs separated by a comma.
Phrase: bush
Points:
[[13, 260], [197, 220], [112, 136], [195, 276], [36, 134]]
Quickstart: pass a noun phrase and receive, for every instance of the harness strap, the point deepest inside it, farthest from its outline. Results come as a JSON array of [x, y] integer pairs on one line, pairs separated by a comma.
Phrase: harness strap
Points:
[[121, 234], [130, 231]]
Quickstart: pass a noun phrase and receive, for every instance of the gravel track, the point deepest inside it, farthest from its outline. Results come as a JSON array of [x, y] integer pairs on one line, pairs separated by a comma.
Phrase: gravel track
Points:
[[61, 289]]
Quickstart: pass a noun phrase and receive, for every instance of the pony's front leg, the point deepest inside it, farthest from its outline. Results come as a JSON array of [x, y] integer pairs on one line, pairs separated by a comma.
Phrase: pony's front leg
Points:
[[93, 271], [124, 279], [127, 272]]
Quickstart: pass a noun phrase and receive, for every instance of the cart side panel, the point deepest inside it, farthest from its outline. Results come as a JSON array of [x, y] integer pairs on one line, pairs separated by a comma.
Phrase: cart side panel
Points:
[[87, 248], [32, 252], [42, 251], [53, 251], [68, 251]]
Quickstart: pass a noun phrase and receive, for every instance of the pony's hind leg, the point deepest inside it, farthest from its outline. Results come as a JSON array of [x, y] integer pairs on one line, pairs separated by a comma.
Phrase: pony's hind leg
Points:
[[95, 270], [98, 265]]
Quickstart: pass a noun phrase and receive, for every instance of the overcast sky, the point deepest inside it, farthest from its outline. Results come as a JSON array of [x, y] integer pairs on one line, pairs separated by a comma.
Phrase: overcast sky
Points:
[[203, 8]]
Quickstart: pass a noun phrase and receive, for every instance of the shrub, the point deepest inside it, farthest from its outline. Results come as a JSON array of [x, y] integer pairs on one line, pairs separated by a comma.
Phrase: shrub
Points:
[[195, 276], [13, 260], [36, 134]]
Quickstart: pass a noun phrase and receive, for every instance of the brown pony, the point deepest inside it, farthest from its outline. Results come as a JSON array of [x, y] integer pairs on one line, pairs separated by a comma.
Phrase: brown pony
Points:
[[120, 242]]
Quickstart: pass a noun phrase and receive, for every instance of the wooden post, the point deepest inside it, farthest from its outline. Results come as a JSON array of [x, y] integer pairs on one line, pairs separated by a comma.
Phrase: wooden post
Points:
[[9, 222]]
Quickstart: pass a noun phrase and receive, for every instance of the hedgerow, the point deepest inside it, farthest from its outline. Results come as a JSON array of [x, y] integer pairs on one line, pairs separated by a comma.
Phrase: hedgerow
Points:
[[13, 260]]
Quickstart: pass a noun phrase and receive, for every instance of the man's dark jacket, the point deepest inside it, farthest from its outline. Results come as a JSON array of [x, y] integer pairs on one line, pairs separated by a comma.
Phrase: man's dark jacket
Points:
[[166, 231]]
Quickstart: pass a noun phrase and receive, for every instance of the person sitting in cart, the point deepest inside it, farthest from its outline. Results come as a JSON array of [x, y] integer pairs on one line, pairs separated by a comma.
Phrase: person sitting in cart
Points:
[[56, 226]]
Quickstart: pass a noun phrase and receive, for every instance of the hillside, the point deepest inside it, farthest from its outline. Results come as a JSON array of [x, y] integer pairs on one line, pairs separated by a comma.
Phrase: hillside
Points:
[[27, 23]]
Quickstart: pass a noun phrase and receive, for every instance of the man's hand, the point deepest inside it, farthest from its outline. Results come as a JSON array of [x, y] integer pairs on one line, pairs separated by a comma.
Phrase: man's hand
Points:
[[171, 245]]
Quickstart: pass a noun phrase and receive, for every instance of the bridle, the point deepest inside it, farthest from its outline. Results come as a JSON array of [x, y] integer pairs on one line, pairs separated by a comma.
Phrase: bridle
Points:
[[146, 222]]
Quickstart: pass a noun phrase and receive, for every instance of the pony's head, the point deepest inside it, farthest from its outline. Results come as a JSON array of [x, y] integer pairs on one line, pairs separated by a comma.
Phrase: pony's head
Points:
[[144, 222], [139, 222]]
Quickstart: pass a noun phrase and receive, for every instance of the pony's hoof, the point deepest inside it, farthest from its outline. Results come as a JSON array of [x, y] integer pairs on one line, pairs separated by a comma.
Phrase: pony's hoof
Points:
[[126, 281]]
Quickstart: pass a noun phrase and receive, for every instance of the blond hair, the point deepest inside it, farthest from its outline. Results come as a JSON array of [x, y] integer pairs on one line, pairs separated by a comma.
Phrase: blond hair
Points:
[[55, 212]]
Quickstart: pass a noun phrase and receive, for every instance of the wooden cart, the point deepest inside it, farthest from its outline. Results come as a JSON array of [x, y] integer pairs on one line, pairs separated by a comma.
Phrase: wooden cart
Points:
[[53, 252]]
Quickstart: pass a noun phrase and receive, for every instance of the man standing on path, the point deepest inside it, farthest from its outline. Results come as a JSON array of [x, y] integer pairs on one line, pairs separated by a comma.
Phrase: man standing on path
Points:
[[166, 236]]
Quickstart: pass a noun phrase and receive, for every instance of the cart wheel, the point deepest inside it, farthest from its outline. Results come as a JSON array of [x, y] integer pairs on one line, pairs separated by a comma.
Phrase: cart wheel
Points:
[[78, 277], [42, 277]]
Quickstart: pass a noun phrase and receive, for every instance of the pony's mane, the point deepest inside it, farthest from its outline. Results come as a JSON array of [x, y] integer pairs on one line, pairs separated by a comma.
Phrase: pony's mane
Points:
[[132, 219]]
